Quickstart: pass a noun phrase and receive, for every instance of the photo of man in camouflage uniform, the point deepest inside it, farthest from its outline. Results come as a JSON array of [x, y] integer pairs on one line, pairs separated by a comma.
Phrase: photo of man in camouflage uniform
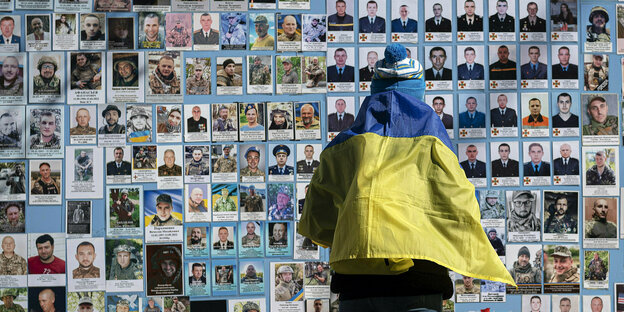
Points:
[[8, 298], [10, 262], [85, 255], [225, 163], [314, 73], [252, 239], [225, 202], [253, 201], [252, 155], [197, 165], [179, 35], [314, 32], [287, 287], [599, 226], [597, 269], [468, 286], [563, 264], [86, 74], [227, 76], [197, 84], [600, 173], [290, 75], [600, 122], [47, 82], [169, 168], [491, 208], [163, 80], [163, 216], [259, 73], [124, 264], [522, 271]]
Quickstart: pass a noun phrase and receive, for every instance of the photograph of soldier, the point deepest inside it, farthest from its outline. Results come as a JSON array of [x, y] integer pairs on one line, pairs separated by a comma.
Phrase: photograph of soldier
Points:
[[139, 121], [45, 262], [467, 285], [228, 199], [251, 276], [469, 21], [562, 16], [340, 20], [291, 72], [92, 27], [224, 275], [251, 239], [473, 167], [169, 168], [47, 82], [12, 220], [501, 21], [197, 239], [121, 36], [596, 72], [15, 177], [314, 28], [404, 24], [164, 270], [85, 255], [9, 296], [438, 104], [198, 79], [197, 164], [437, 71], [46, 299], [44, 183], [504, 166], [44, 133], [11, 263], [566, 164], [600, 224], [521, 270], [314, 71], [504, 68], [124, 207], [144, 157], [281, 116], [437, 23], [536, 166], [198, 275], [597, 303], [252, 156], [565, 118], [234, 31], [534, 69], [596, 266], [178, 35], [111, 115], [260, 70], [281, 153], [471, 117], [252, 199], [340, 71], [280, 200], [164, 78], [308, 164], [492, 205], [225, 162], [470, 69], [503, 115], [230, 73], [124, 259], [11, 129], [169, 119], [118, 166], [153, 33], [254, 118], [152, 306], [12, 77], [7, 28], [600, 122], [83, 165], [278, 234], [341, 119], [287, 281], [367, 72], [532, 22], [563, 267], [600, 173], [164, 212], [259, 37], [206, 35], [196, 123], [223, 242], [316, 274], [560, 212], [535, 119], [496, 242], [523, 212], [83, 118], [38, 28], [308, 118], [597, 31], [565, 69], [125, 70]]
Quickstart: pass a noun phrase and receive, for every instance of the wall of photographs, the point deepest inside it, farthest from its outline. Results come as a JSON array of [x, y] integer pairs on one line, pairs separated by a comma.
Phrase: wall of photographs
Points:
[[159, 150]]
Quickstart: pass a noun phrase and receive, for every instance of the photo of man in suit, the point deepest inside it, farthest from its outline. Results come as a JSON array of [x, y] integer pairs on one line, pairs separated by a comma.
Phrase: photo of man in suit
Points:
[[341, 72], [404, 24], [470, 70], [340, 21], [437, 55], [438, 107], [471, 118], [501, 21], [534, 69], [223, 243], [469, 21], [372, 23], [566, 165], [473, 167], [532, 22], [505, 166], [564, 70], [118, 166], [437, 23], [536, 167], [206, 35], [340, 120], [7, 25], [367, 72], [565, 118], [503, 116]]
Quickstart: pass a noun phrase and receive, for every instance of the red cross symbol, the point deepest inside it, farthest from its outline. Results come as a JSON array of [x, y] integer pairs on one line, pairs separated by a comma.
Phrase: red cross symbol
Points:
[[363, 37], [332, 135], [556, 132], [495, 181], [363, 86], [495, 131], [493, 84], [429, 84], [395, 37], [462, 84]]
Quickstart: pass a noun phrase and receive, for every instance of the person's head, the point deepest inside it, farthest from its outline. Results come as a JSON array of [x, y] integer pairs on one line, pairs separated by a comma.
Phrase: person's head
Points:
[[340, 56], [85, 305], [251, 228], [83, 117], [46, 300], [535, 107], [7, 24], [63, 18], [44, 170], [596, 256], [122, 306], [468, 281], [600, 158], [341, 7], [471, 104], [522, 203], [261, 24], [469, 7], [232, 19], [37, 25], [169, 157], [599, 17], [371, 58], [524, 256], [151, 25], [199, 72], [314, 22], [597, 60], [169, 268], [371, 8], [532, 9], [47, 124], [279, 231], [565, 150], [45, 247], [111, 115], [492, 234], [223, 112], [206, 21], [564, 102], [198, 270], [601, 208], [536, 303], [47, 67], [307, 114], [250, 271], [281, 154], [472, 152], [437, 10], [536, 152], [598, 109], [122, 255], [285, 272], [252, 190], [166, 65], [175, 117], [562, 260], [438, 105], [223, 234], [8, 245], [565, 304], [534, 54], [287, 64], [283, 197], [501, 7], [125, 69], [340, 106], [196, 112], [289, 25], [404, 11], [561, 205], [118, 154], [502, 101], [503, 51], [318, 305], [564, 55], [7, 124], [596, 304], [253, 157], [196, 234], [197, 154], [437, 55], [150, 302], [503, 151], [91, 26], [7, 298], [225, 192], [469, 55], [229, 67], [10, 68], [164, 207], [85, 254], [197, 195], [308, 151]]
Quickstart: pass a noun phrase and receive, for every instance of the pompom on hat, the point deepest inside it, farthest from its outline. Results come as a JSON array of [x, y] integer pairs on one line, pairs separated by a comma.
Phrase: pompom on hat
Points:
[[397, 72]]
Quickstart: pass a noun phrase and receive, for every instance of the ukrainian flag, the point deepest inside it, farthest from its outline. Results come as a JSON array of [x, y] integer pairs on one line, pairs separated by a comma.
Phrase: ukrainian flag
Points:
[[390, 189]]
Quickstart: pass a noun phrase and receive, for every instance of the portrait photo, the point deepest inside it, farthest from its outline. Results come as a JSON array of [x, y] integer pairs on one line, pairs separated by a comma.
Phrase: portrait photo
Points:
[[12, 75], [163, 71], [535, 109], [470, 16], [178, 29], [501, 16], [122, 35], [233, 31], [340, 15], [438, 16], [151, 30], [596, 72], [600, 114], [472, 159], [404, 17], [563, 15], [205, 36], [164, 269], [470, 60], [561, 213], [139, 123], [523, 261], [564, 60], [442, 105], [197, 203], [534, 62], [340, 113], [340, 65], [372, 16], [532, 15], [504, 156], [502, 62]]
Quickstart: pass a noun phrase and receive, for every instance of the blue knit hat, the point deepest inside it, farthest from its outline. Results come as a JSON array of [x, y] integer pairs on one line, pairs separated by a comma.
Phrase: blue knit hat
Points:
[[397, 72]]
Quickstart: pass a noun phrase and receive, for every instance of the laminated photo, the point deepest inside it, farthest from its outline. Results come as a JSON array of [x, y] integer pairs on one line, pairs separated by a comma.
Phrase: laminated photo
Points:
[[224, 166], [535, 112], [83, 172], [122, 36], [562, 268], [340, 21], [503, 116], [251, 243], [600, 119], [471, 115], [84, 299], [82, 130], [502, 23], [225, 281], [92, 31], [197, 164], [13, 87], [340, 70], [12, 135], [469, 20], [293, 4], [565, 67], [239, 305], [438, 75], [11, 27], [163, 213], [87, 78], [288, 32], [523, 216], [14, 174], [280, 120], [112, 128], [124, 265], [151, 5], [45, 180], [228, 5], [524, 263], [164, 270], [198, 72], [533, 24], [368, 58], [341, 115], [224, 200], [473, 162], [598, 27], [252, 201], [502, 67], [262, 35], [536, 170], [253, 162], [278, 239], [223, 238], [286, 286], [144, 163], [119, 165], [600, 171], [307, 162], [372, 24], [79, 217], [281, 166], [196, 239], [561, 216], [252, 121], [504, 163], [259, 78], [564, 20], [470, 71], [65, 30], [112, 5], [14, 247], [197, 202], [288, 71], [467, 289], [198, 277], [233, 31], [565, 110], [47, 79], [46, 261], [251, 277], [125, 81], [169, 123], [566, 165], [596, 269], [438, 20], [307, 121], [164, 72], [229, 75], [124, 210], [404, 23], [48, 296], [314, 34], [178, 31], [197, 128], [151, 30], [600, 222], [87, 264], [205, 37], [305, 248], [38, 29], [139, 123]]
